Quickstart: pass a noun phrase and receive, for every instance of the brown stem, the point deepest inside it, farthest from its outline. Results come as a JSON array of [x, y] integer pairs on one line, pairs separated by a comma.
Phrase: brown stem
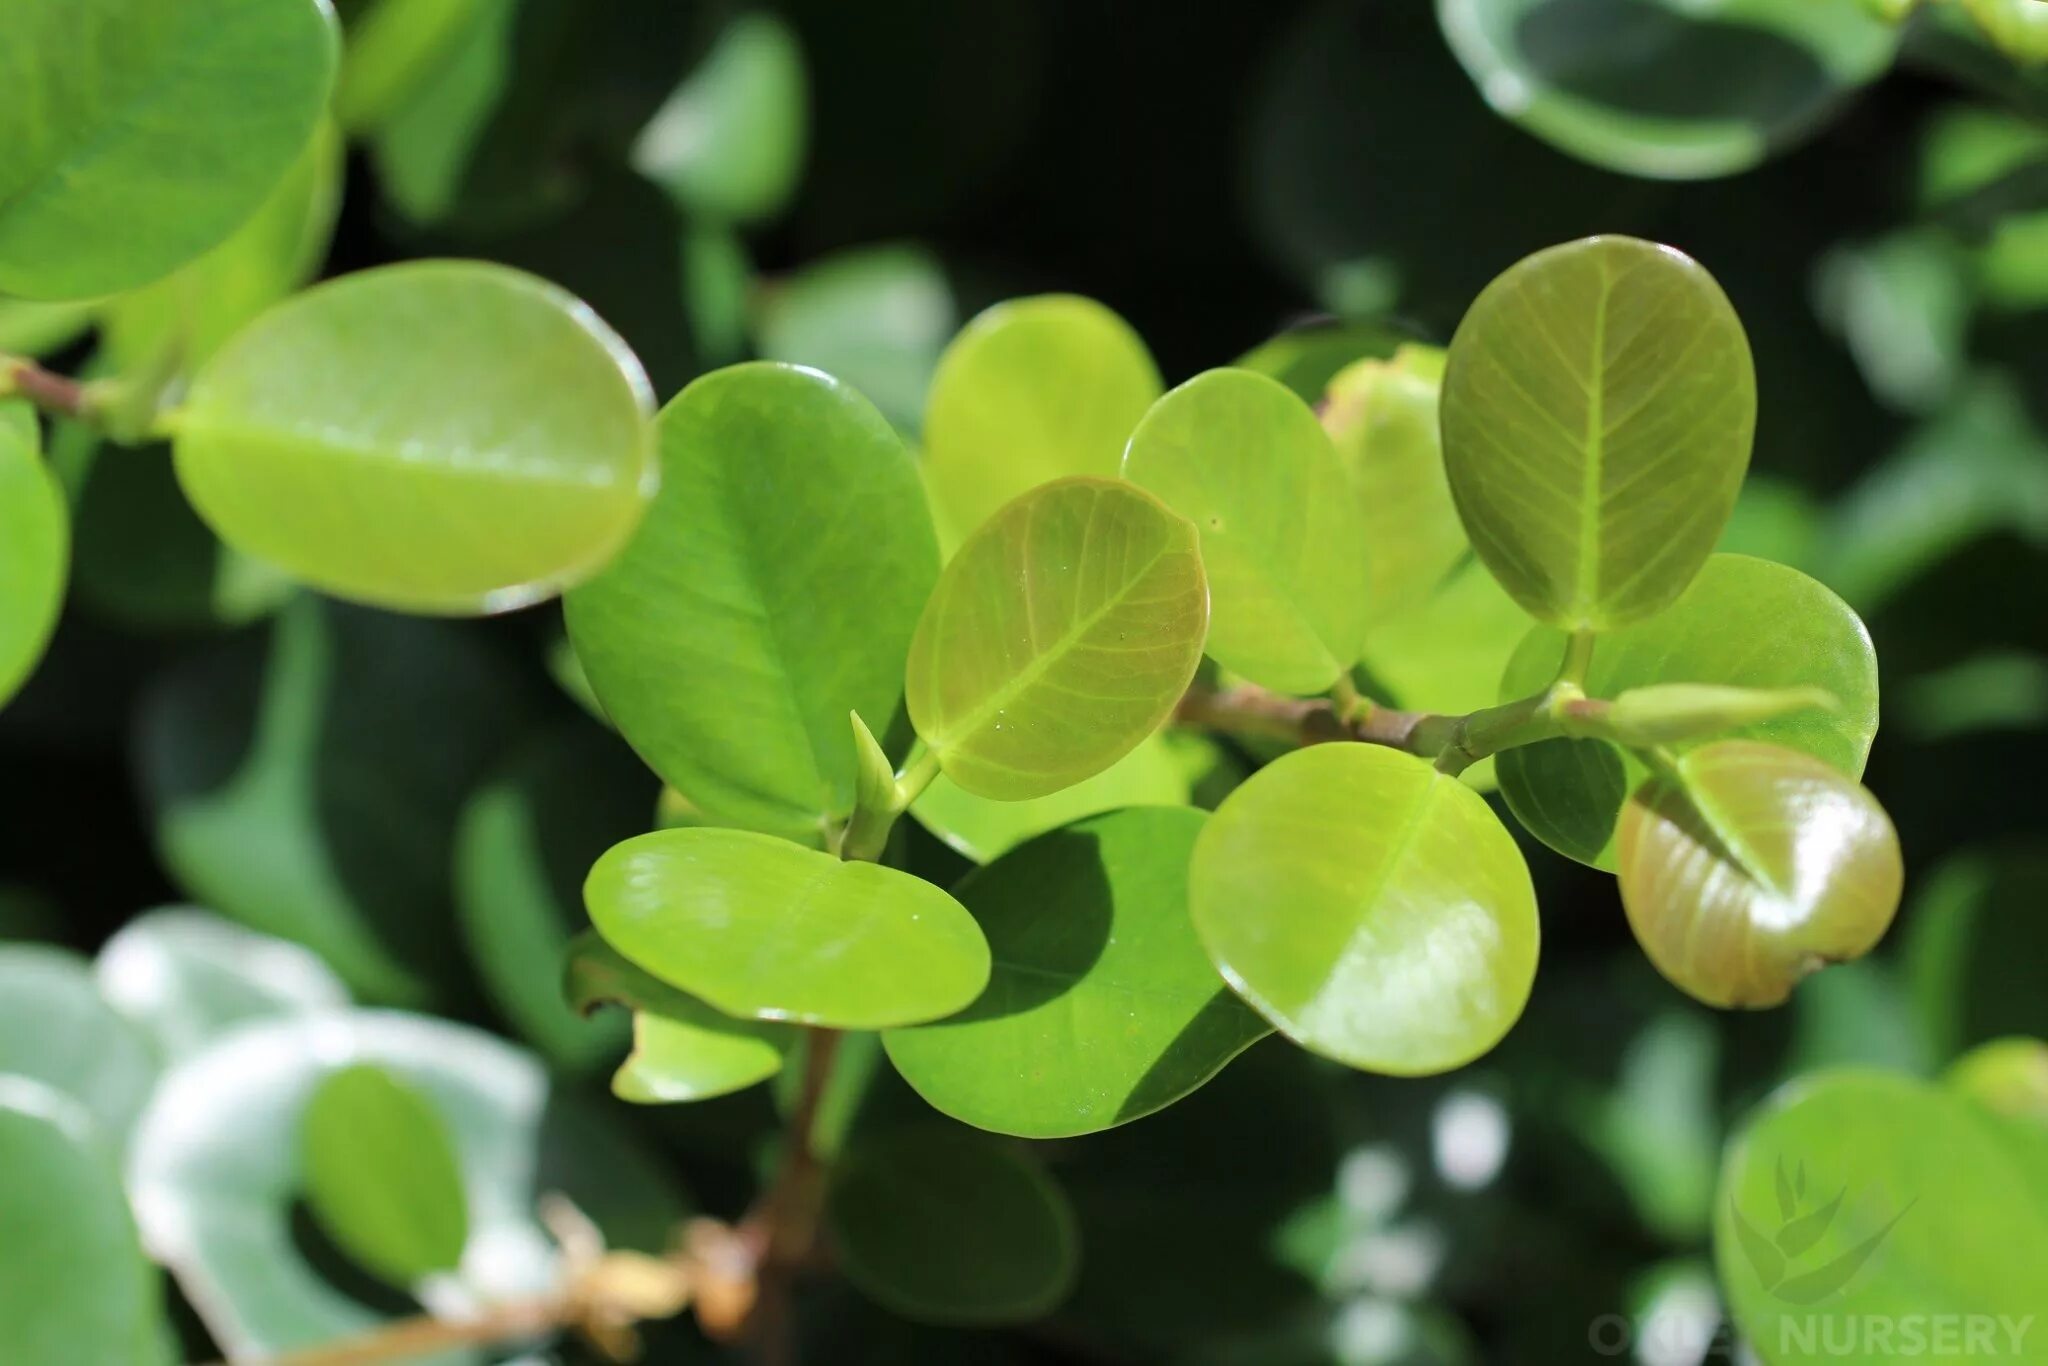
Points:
[[1249, 710], [416, 1337], [782, 1228], [45, 389]]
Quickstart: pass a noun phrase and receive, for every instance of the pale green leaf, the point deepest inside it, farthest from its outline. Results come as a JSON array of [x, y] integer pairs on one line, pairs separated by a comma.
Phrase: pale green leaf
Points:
[[35, 547], [983, 829], [381, 1174]]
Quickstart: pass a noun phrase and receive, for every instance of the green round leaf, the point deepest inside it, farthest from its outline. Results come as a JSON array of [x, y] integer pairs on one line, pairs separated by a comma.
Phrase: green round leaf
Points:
[[1030, 391], [877, 317], [1283, 543], [381, 1174], [56, 1028], [440, 436], [982, 829], [683, 1050], [35, 547], [1598, 406], [772, 589], [186, 976], [1742, 623], [215, 1174], [1060, 636], [1750, 866], [729, 143], [949, 1227], [2006, 1076], [74, 1285], [762, 929], [341, 747], [1858, 1199], [1375, 910], [524, 843], [1669, 88], [135, 135], [1101, 1006]]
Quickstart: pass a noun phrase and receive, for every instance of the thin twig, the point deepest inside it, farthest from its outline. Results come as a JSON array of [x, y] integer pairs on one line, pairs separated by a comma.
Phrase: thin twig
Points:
[[44, 388], [783, 1226], [415, 1337]]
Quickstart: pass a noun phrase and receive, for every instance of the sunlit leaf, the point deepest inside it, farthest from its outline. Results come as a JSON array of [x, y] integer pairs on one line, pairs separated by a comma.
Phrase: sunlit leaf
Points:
[[56, 1028], [35, 547], [1060, 636], [74, 1285], [1743, 623], [1283, 543], [1375, 910], [381, 1174], [949, 1227], [436, 436], [762, 929], [136, 135], [1749, 866], [772, 589], [729, 143], [983, 829], [1030, 391], [682, 1049], [1598, 406], [1101, 1006]]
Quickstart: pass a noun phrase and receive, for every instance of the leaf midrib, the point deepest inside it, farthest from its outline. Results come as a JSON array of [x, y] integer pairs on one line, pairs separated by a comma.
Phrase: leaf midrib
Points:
[[1592, 472]]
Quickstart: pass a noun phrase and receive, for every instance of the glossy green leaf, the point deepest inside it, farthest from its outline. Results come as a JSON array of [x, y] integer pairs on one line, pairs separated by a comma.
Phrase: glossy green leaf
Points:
[[1030, 391], [340, 747], [136, 135], [1101, 1006], [944, 1226], [1856, 1199], [762, 929], [216, 1175], [984, 829], [381, 1174], [683, 1050], [771, 590], [524, 843], [74, 1285], [35, 547], [437, 436], [1382, 418], [1749, 866], [1743, 623], [729, 143], [1060, 636], [1375, 910], [1652, 88], [877, 317], [1283, 543], [56, 1028], [1598, 406], [186, 976], [1975, 939]]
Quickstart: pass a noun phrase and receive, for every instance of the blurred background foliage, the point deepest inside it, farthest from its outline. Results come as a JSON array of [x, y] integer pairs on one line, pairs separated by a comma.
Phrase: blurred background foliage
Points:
[[843, 186]]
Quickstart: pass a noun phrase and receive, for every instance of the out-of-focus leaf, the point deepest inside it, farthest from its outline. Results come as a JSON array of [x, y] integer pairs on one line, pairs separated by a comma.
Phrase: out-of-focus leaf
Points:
[[1774, 520], [308, 783], [877, 317], [2007, 1076], [1030, 391], [1060, 636], [1309, 357], [1681, 91], [946, 1226], [2019, 27], [1995, 691], [56, 1028], [730, 141], [74, 1285], [1975, 942], [1902, 306], [35, 546], [1101, 1006], [186, 976], [29, 327], [983, 829], [393, 47], [381, 1174]]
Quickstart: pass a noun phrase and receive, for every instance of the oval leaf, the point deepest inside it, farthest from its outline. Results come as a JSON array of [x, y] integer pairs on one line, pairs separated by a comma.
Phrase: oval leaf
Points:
[[762, 929], [772, 589], [1375, 910], [74, 1285], [1101, 1006], [135, 135], [1061, 635], [682, 1049], [949, 1227], [35, 547], [982, 829], [440, 436], [56, 1028], [1598, 407], [1030, 391], [1750, 866], [382, 1176], [1283, 544], [729, 143], [1743, 623]]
